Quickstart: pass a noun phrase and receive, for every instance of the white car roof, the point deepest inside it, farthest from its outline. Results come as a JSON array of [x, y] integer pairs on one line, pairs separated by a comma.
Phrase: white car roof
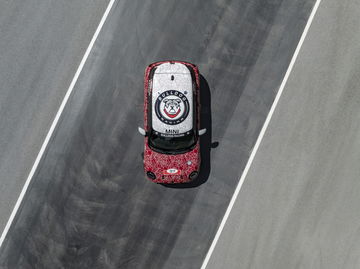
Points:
[[172, 99]]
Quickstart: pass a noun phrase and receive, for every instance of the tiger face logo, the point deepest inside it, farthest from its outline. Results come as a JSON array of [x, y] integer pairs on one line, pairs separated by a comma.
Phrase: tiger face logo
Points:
[[172, 107]]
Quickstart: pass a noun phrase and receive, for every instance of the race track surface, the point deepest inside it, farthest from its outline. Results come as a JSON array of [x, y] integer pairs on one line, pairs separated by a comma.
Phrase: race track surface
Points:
[[299, 205], [41, 45], [89, 205]]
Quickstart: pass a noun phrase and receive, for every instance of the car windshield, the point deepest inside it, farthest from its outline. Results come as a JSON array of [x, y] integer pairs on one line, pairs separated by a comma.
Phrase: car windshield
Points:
[[172, 144]]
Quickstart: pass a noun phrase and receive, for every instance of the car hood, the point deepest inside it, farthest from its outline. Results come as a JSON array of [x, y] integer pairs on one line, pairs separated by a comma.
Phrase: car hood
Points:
[[171, 168]]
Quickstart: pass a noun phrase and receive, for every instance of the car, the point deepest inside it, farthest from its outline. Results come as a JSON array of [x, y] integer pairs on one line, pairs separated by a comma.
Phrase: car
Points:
[[172, 122]]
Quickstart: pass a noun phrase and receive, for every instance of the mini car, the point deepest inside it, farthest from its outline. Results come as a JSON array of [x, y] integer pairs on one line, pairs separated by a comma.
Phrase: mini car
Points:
[[172, 122]]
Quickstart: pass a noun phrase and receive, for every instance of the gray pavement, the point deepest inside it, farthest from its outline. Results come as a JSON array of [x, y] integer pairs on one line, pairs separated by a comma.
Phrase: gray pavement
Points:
[[299, 206], [41, 45], [89, 204]]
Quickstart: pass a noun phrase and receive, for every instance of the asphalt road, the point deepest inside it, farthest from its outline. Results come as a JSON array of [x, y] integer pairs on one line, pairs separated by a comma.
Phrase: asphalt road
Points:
[[41, 45], [299, 205], [89, 205]]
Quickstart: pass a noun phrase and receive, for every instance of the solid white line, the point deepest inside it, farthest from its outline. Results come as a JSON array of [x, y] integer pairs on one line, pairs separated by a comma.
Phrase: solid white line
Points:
[[53, 125], [261, 135]]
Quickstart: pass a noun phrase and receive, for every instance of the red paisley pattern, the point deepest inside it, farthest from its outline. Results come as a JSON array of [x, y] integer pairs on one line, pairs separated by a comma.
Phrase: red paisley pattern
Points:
[[158, 163]]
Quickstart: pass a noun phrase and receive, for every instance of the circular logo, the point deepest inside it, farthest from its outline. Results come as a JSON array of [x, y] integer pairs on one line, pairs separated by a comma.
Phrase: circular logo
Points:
[[172, 171], [172, 107]]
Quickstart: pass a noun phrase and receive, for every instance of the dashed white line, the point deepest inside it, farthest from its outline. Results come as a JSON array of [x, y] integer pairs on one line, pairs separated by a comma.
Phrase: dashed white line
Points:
[[54, 123], [260, 137]]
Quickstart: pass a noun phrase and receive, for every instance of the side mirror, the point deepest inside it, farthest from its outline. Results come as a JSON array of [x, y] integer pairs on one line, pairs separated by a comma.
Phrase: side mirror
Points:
[[202, 131], [141, 131]]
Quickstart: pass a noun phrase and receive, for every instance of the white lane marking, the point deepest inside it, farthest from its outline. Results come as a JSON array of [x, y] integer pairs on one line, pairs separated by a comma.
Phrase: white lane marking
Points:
[[53, 125], [261, 135]]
